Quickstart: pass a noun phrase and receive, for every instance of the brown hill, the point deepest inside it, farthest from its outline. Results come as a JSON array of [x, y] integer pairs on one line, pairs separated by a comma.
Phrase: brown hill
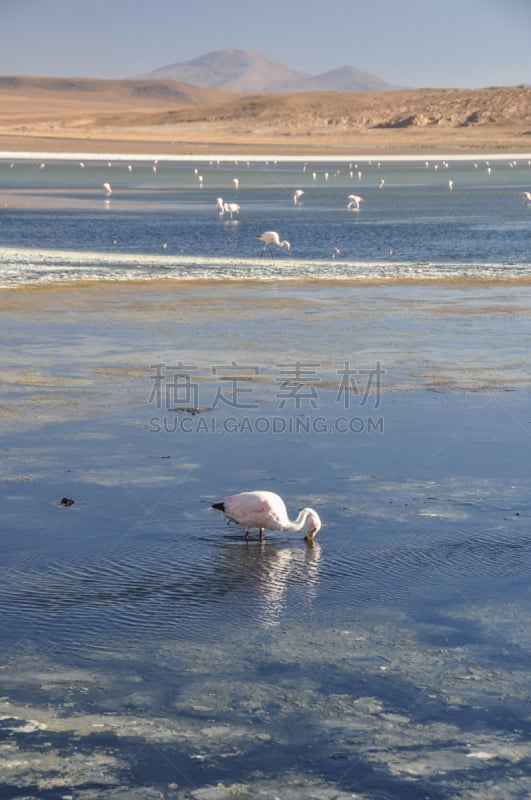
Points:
[[449, 119], [164, 116], [454, 108], [23, 98]]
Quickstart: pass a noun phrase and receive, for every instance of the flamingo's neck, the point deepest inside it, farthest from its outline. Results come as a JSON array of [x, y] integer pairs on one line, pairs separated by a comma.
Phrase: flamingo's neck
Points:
[[298, 524]]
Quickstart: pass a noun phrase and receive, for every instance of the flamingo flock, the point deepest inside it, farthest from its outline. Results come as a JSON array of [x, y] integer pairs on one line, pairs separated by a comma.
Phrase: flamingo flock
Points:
[[269, 238]]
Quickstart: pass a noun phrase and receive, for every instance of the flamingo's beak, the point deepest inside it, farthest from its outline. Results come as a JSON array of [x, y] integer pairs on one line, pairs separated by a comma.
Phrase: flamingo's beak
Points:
[[310, 534]]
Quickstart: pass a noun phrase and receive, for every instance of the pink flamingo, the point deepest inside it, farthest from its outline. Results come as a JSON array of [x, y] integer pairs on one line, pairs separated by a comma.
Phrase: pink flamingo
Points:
[[266, 511], [271, 237], [354, 202], [229, 208]]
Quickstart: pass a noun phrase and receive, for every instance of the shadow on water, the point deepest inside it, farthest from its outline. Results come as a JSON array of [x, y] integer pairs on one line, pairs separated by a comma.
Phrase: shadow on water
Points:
[[404, 743]]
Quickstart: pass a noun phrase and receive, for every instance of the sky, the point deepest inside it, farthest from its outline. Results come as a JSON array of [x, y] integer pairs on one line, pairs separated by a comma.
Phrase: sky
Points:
[[414, 43]]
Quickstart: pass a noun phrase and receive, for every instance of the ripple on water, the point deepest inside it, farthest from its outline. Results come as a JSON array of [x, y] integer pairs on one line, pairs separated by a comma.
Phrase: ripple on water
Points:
[[161, 588]]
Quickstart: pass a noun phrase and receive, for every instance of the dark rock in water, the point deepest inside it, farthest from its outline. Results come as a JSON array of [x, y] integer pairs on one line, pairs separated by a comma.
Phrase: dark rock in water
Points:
[[190, 410], [66, 501]]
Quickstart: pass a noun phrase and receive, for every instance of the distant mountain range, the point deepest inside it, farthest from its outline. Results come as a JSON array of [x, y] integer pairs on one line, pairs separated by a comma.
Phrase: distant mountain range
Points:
[[246, 71]]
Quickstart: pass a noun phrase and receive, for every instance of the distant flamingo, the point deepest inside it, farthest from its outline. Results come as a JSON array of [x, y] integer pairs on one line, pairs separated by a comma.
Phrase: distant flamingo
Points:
[[107, 188], [266, 511], [229, 208], [297, 196], [526, 197], [232, 208], [236, 183], [271, 237], [354, 202]]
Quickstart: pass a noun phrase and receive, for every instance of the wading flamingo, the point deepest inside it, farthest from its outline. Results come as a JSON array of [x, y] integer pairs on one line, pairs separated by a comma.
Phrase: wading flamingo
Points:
[[297, 196], [266, 511], [354, 202], [271, 237], [229, 208], [108, 189], [232, 208]]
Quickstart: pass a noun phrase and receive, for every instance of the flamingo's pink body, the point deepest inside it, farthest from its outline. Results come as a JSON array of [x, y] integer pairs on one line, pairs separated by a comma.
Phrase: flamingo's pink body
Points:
[[266, 511], [271, 237], [354, 202], [229, 208]]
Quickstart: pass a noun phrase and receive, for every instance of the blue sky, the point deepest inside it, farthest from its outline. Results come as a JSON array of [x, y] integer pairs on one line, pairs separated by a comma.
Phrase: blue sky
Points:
[[468, 43]]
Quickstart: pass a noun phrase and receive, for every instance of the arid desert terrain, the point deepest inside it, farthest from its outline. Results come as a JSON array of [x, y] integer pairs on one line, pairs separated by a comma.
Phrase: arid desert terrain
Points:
[[167, 117]]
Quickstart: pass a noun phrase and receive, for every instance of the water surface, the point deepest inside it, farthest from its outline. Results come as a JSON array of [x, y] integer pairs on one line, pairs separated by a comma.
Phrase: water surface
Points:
[[148, 650]]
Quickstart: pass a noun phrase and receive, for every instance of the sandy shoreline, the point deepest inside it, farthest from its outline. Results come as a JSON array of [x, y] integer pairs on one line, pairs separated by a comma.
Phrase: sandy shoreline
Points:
[[207, 142], [17, 296]]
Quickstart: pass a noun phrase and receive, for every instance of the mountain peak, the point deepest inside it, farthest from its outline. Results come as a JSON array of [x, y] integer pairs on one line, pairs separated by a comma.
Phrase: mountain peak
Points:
[[246, 71], [235, 70]]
